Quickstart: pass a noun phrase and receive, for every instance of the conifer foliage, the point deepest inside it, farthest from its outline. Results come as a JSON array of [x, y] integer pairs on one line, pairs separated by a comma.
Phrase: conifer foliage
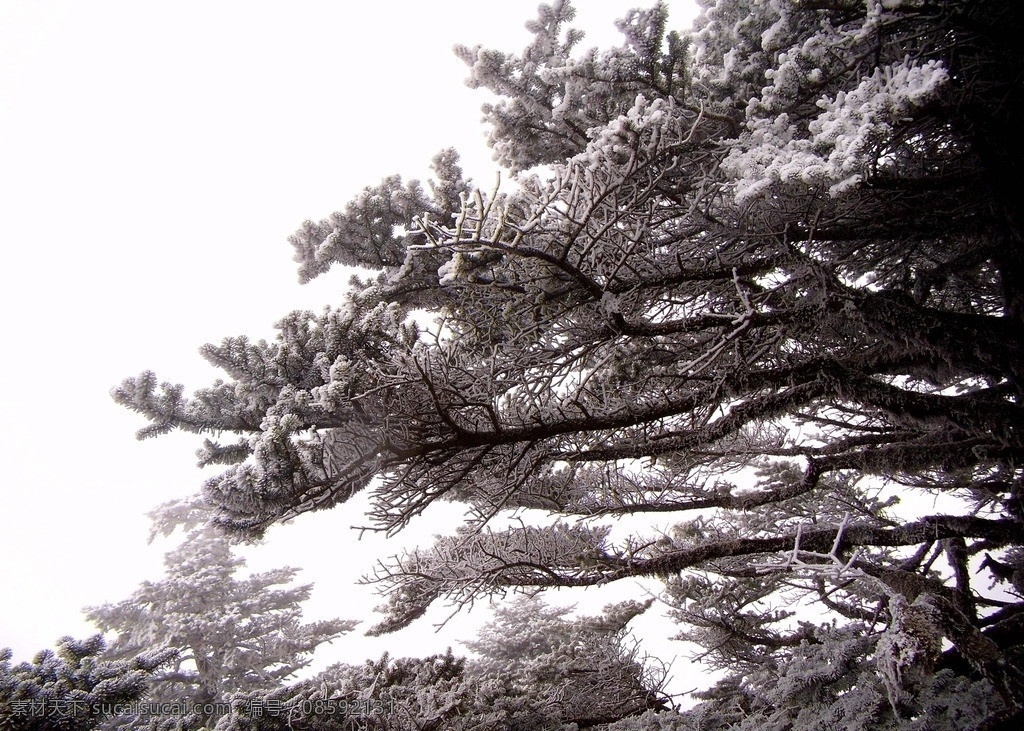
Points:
[[765, 280], [74, 688]]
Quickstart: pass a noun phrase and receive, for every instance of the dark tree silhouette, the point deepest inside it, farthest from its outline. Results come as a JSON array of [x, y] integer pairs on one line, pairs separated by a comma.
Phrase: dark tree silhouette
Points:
[[764, 279]]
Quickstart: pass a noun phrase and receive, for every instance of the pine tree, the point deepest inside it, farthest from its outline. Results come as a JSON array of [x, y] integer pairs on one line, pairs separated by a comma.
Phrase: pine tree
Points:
[[230, 634], [765, 280], [74, 688]]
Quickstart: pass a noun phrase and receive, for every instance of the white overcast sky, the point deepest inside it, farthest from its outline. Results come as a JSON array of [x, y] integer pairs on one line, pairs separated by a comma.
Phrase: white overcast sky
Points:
[[154, 157]]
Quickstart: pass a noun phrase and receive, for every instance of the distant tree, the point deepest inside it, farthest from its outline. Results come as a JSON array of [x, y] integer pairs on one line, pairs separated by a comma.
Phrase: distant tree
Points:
[[72, 689], [767, 280], [582, 671], [231, 634]]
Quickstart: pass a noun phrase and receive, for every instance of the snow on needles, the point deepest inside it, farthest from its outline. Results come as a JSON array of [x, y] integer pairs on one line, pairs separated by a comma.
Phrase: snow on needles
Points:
[[837, 146]]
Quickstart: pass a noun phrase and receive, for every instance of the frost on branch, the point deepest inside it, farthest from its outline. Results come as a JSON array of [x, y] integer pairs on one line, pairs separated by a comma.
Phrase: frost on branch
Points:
[[303, 435], [909, 648], [473, 563]]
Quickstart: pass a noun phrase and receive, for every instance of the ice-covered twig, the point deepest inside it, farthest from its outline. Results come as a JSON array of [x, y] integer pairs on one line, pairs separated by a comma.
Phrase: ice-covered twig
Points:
[[814, 561]]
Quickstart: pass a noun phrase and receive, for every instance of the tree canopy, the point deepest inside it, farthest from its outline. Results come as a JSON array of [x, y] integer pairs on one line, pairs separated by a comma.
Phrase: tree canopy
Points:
[[763, 279]]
